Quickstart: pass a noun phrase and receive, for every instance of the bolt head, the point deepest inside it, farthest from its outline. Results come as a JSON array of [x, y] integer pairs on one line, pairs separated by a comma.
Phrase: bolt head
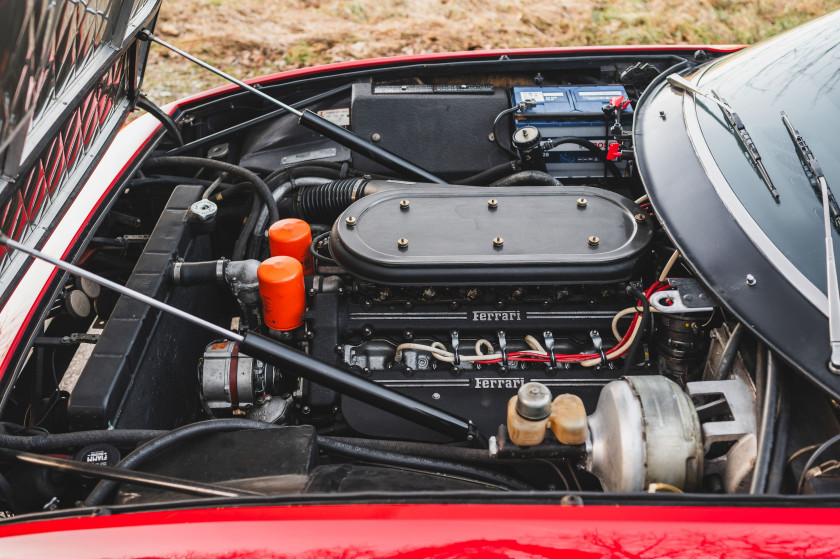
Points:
[[492, 203], [581, 202], [375, 137], [640, 217], [350, 221], [402, 243], [404, 204], [498, 242], [751, 280], [594, 241]]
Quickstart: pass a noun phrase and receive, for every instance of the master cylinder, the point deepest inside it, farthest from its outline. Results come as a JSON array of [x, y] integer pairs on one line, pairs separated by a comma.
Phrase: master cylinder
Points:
[[644, 430]]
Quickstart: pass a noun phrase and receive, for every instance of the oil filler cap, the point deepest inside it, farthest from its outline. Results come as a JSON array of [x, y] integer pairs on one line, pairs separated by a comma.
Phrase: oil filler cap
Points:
[[98, 454]]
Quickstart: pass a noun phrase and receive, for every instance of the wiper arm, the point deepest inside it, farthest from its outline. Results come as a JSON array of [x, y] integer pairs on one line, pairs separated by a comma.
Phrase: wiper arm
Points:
[[813, 170], [737, 124]]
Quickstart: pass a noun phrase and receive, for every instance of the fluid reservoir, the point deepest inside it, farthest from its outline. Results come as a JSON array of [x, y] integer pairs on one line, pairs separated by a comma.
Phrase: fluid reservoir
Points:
[[528, 413], [292, 237], [283, 292]]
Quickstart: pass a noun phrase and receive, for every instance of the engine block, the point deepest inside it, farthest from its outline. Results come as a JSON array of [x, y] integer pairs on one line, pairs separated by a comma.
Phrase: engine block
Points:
[[363, 327]]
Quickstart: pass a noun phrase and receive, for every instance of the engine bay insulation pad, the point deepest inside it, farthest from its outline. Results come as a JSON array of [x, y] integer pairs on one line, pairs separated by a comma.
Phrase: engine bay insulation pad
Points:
[[450, 235]]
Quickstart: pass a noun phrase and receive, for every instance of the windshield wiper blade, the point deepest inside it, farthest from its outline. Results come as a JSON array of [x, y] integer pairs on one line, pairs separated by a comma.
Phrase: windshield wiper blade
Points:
[[813, 169], [737, 124]]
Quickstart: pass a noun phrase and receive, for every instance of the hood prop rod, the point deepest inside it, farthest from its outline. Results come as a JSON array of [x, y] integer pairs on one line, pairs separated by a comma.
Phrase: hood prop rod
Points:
[[314, 122], [289, 359]]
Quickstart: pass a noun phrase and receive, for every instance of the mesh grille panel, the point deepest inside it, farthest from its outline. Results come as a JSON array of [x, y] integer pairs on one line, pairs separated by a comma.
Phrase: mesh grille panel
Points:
[[62, 156]]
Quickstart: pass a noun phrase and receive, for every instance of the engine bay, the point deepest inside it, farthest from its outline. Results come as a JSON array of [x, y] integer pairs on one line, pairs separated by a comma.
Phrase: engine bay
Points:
[[524, 323]]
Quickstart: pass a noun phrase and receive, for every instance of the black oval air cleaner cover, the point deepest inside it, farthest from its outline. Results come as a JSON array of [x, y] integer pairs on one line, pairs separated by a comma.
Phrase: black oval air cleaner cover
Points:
[[450, 235]]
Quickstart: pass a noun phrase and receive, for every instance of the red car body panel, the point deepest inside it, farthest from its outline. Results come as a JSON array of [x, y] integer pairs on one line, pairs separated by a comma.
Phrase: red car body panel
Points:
[[518, 531]]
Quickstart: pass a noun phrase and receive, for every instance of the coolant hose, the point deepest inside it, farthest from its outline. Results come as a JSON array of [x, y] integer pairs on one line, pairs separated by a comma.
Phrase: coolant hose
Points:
[[279, 194], [121, 438], [492, 174], [260, 188], [186, 274], [729, 354], [422, 463], [528, 178], [426, 450], [164, 442], [767, 425]]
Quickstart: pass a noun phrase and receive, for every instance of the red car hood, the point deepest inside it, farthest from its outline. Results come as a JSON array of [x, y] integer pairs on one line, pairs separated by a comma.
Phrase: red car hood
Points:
[[440, 531]]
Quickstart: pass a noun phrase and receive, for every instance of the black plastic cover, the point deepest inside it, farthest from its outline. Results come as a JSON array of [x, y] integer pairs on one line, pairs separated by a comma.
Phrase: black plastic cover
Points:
[[443, 129], [531, 235]]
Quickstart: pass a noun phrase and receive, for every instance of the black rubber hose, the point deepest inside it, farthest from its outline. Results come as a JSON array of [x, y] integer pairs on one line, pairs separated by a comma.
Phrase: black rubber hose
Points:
[[313, 249], [121, 438], [427, 450], [171, 179], [421, 463], [492, 174], [729, 353], [326, 170], [164, 442], [260, 188], [767, 426], [325, 202], [590, 147], [630, 358], [247, 228], [169, 124], [187, 274], [528, 178], [775, 478]]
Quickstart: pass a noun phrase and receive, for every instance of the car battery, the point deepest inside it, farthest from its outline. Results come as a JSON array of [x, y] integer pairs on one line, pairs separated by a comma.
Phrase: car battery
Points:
[[572, 111]]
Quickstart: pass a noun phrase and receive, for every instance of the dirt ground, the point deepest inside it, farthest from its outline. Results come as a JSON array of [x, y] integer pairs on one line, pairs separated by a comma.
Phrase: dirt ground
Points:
[[248, 38]]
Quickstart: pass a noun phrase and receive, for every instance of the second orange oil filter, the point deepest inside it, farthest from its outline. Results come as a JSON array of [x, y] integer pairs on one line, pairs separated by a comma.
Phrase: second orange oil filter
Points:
[[292, 237], [283, 292]]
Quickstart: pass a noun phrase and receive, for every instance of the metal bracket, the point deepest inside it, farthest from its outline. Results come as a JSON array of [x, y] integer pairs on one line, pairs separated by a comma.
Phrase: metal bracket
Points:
[[599, 345], [741, 404], [686, 296], [455, 343], [503, 349], [549, 346]]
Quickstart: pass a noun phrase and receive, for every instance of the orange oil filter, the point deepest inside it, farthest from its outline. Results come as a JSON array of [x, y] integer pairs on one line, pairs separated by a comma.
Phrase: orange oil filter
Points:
[[292, 237], [282, 291]]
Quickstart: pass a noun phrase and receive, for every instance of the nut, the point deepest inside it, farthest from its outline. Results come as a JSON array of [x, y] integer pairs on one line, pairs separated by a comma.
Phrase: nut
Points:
[[402, 242], [404, 204], [594, 241], [350, 221], [581, 202], [492, 203], [640, 217], [498, 241]]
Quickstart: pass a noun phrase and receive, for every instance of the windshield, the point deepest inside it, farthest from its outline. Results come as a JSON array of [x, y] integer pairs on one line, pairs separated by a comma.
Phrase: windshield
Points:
[[798, 73]]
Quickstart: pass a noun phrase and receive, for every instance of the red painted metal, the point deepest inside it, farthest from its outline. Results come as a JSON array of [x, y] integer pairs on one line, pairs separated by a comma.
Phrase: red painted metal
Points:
[[450, 56], [409, 531]]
